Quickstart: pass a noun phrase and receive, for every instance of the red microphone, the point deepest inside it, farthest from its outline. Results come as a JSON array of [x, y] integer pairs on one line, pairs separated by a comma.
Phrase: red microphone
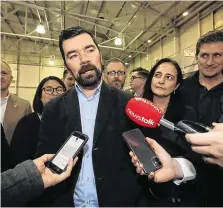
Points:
[[147, 114], [143, 112]]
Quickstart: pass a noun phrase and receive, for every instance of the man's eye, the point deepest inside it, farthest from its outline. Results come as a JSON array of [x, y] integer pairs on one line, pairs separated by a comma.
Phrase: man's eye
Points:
[[90, 50], [204, 55], [73, 56], [217, 55]]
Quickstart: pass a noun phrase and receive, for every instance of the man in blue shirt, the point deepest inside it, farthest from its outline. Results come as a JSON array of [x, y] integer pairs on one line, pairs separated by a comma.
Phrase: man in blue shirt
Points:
[[104, 175]]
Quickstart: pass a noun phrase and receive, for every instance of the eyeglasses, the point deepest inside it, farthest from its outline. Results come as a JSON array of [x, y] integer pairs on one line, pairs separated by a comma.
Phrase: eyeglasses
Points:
[[50, 90], [113, 73], [135, 77], [216, 57]]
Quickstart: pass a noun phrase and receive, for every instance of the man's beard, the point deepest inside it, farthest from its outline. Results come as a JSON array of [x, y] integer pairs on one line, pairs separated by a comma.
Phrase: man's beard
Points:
[[91, 79]]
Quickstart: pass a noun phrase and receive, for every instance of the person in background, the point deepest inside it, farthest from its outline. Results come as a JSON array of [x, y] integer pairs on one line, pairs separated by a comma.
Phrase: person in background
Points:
[[25, 137], [115, 73], [29, 179], [161, 88], [68, 79], [203, 92], [13, 108], [138, 80]]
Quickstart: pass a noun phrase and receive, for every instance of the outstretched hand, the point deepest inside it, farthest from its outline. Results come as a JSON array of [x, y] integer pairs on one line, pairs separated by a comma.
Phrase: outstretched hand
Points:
[[49, 178], [170, 167]]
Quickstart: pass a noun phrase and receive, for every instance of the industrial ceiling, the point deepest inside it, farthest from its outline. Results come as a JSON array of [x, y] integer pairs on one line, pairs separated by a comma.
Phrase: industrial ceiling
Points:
[[139, 24]]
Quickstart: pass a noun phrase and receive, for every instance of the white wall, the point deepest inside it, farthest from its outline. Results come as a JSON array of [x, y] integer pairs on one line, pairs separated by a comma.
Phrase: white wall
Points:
[[179, 45], [28, 71]]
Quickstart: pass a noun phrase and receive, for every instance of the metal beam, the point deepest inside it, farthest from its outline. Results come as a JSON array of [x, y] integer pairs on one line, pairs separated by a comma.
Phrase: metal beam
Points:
[[42, 38], [154, 22], [121, 49], [58, 11], [11, 13], [28, 36]]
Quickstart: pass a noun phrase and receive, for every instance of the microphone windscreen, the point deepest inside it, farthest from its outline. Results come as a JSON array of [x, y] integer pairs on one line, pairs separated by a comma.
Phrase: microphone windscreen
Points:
[[143, 112]]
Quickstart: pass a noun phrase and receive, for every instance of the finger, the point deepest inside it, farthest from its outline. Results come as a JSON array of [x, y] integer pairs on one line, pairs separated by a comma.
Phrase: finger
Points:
[[47, 157], [155, 146], [139, 170], [67, 173], [200, 138], [135, 162], [211, 160], [75, 161], [131, 154], [151, 176], [217, 126], [202, 149]]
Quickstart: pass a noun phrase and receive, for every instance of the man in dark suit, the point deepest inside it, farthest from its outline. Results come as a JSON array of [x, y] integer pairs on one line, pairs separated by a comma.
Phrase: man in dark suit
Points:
[[104, 175], [202, 93]]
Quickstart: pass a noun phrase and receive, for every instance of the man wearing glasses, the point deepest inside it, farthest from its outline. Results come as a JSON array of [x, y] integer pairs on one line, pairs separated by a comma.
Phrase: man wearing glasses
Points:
[[115, 73], [202, 92], [138, 80]]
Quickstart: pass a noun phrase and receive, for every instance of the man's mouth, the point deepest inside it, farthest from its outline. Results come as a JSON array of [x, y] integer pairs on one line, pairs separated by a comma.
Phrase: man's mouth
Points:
[[86, 69]]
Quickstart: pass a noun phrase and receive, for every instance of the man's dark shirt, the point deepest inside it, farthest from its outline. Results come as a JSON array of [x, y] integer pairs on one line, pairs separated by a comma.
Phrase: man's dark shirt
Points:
[[206, 103]]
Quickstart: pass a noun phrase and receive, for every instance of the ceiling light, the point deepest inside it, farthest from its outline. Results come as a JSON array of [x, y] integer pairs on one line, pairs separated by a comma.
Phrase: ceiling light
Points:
[[126, 63], [149, 41], [51, 62], [40, 29], [118, 41], [185, 14], [130, 56]]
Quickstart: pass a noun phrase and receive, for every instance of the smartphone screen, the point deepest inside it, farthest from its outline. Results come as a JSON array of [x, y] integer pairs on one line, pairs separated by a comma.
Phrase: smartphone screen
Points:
[[138, 144], [70, 149]]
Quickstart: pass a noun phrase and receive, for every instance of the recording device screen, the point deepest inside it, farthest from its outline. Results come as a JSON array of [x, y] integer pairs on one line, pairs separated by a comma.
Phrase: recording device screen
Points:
[[138, 144], [70, 149]]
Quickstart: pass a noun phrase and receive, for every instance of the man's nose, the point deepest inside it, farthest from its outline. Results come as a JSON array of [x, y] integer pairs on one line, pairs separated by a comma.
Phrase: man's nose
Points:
[[84, 58], [210, 60]]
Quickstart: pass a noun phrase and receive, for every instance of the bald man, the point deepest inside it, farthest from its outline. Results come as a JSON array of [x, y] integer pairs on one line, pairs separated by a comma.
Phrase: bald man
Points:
[[13, 108]]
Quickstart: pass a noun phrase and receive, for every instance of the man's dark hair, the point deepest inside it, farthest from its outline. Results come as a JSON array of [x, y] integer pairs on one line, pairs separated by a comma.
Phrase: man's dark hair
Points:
[[65, 72], [114, 60], [210, 37], [70, 33], [141, 72], [148, 94], [37, 103]]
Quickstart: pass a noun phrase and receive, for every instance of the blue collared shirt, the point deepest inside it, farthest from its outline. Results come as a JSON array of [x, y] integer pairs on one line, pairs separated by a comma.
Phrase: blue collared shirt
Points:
[[85, 194]]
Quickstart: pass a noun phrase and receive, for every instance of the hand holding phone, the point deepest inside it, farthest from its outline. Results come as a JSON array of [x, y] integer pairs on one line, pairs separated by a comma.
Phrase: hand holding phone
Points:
[[70, 149], [139, 146]]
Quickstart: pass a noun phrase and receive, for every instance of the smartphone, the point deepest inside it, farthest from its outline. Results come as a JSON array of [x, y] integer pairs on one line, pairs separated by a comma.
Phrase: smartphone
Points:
[[138, 144], [70, 149]]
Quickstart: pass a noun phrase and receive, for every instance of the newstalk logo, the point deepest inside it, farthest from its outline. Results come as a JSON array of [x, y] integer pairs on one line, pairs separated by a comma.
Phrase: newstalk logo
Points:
[[140, 118], [149, 103]]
